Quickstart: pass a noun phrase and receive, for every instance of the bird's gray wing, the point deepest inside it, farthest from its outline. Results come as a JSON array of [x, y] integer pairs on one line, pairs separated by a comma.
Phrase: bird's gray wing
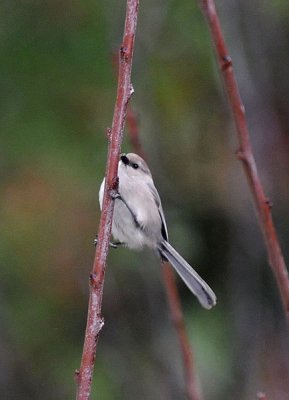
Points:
[[160, 208]]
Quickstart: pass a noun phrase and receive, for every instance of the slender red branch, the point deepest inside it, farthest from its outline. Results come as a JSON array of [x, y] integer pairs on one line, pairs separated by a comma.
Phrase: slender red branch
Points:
[[174, 301], [124, 92], [245, 154], [192, 387]]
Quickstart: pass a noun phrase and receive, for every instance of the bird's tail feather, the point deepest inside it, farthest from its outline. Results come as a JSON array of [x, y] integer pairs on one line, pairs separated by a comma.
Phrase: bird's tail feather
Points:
[[194, 282]]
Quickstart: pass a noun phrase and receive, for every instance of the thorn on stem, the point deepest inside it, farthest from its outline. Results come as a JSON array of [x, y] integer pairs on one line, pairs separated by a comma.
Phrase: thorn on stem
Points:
[[131, 90], [226, 62]]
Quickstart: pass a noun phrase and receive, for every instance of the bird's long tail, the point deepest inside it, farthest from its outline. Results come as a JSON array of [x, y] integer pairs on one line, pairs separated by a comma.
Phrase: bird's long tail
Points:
[[194, 282]]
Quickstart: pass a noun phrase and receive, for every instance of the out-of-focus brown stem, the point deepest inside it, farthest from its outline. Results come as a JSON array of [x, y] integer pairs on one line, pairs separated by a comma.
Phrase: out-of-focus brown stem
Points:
[[245, 154], [174, 301], [192, 387], [133, 132], [124, 91]]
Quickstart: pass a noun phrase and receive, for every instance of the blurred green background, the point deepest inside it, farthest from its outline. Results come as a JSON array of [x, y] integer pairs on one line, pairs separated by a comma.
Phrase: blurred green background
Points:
[[57, 93]]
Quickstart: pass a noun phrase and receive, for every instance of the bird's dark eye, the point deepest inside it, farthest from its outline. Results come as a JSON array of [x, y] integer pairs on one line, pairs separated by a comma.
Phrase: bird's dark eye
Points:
[[135, 166]]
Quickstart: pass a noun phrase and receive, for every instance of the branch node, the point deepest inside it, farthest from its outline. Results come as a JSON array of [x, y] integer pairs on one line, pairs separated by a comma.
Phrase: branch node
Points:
[[101, 324], [92, 280], [261, 396], [242, 109], [226, 62], [76, 376], [108, 134], [240, 154], [114, 185], [269, 203], [123, 52]]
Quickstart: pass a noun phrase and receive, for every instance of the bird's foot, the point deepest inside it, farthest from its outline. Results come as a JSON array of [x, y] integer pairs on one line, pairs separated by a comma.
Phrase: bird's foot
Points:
[[114, 195], [114, 245]]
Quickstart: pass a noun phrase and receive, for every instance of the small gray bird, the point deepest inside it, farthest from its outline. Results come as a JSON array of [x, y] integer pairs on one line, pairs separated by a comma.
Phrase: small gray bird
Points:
[[138, 221]]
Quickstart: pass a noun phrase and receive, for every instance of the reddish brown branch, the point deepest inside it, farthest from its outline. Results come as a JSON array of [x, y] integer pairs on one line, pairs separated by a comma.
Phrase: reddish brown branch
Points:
[[124, 92], [171, 287], [245, 154], [192, 388]]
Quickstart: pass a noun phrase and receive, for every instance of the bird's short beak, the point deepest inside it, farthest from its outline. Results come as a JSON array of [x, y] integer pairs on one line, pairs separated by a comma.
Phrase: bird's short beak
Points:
[[124, 159]]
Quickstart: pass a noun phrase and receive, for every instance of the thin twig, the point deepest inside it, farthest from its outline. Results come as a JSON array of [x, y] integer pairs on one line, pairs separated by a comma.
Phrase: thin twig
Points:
[[245, 154], [174, 301], [94, 319]]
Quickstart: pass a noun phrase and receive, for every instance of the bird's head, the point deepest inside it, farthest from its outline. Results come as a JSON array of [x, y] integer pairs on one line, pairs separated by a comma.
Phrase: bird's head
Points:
[[133, 166]]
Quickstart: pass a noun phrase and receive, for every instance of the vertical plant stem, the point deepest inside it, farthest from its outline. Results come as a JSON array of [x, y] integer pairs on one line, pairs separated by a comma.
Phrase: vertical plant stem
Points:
[[94, 319], [245, 154], [192, 389]]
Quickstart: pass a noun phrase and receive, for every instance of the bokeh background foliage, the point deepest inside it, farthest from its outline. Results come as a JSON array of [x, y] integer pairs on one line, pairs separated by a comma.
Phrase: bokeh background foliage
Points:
[[57, 92]]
